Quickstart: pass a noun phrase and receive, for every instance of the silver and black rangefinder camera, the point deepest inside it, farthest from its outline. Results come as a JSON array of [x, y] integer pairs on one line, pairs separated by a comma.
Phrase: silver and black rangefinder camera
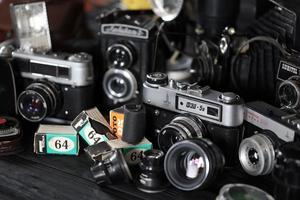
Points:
[[193, 111], [58, 86], [51, 86], [266, 128]]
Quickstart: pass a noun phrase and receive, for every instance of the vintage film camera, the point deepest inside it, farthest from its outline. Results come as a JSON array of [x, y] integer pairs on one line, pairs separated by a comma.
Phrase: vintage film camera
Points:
[[268, 127], [127, 48], [206, 112], [52, 86]]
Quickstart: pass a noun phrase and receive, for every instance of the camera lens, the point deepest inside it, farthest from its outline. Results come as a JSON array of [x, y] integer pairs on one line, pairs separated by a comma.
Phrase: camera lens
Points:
[[40, 99], [193, 163], [289, 93], [152, 178], [257, 153], [112, 169], [286, 173], [242, 191], [120, 55], [119, 85], [184, 126]]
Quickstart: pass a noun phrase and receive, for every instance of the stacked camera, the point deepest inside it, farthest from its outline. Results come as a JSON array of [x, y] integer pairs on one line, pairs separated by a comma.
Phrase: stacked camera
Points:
[[197, 132]]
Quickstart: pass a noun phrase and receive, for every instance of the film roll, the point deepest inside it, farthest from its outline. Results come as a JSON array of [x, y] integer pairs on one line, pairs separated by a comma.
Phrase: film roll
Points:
[[134, 123]]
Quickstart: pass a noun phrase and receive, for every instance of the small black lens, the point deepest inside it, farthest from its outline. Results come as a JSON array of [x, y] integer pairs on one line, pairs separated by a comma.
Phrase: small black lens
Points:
[[289, 94], [118, 86], [113, 169], [120, 55], [152, 178], [183, 126], [39, 100], [33, 106], [170, 135]]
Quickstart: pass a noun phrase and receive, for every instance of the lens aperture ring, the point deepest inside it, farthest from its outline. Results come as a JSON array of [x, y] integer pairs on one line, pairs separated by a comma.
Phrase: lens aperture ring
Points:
[[210, 154], [257, 155], [122, 78], [290, 85]]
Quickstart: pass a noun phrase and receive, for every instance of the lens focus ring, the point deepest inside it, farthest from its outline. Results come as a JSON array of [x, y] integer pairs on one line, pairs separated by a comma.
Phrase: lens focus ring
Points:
[[193, 163], [289, 93], [40, 99], [257, 155], [119, 85]]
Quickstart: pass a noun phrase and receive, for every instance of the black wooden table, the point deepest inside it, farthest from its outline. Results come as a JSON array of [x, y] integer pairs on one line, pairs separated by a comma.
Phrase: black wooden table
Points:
[[30, 176]]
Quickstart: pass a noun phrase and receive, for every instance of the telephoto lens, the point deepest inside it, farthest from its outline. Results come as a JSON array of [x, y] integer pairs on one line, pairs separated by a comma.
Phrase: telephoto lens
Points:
[[134, 123], [183, 126], [257, 153], [10, 136], [112, 169], [193, 163], [242, 192], [286, 173], [152, 178]]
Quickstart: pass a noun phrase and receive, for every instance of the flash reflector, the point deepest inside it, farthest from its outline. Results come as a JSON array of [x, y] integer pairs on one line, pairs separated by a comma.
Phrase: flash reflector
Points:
[[30, 23]]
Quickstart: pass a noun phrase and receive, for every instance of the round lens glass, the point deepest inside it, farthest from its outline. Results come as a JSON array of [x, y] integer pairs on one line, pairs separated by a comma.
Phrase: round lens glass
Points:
[[32, 106], [117, 87], [193, 165], [168, 137], [288, 95], [120, 56], [253, 156]]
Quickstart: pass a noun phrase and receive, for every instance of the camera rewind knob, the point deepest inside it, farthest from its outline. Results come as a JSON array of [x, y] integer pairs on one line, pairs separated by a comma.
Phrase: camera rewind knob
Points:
[[229, 97]]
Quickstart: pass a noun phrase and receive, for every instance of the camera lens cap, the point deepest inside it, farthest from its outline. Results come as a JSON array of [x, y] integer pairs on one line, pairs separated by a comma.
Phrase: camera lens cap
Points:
[[157, 78]]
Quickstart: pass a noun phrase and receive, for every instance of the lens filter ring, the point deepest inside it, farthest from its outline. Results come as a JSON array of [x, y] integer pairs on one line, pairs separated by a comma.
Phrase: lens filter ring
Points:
[[119, 85], [40, 99], [289, 93], [32, 106], [257, 155], [193, 163]]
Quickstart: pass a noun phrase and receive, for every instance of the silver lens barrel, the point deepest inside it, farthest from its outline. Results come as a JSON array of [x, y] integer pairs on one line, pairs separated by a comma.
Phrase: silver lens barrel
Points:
[[257, 155], [120, 85], [289, 93]]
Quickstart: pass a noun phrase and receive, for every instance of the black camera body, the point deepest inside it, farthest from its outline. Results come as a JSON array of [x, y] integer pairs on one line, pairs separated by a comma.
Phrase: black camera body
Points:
[[53, 87], [127, 48], [226, 138], [221, 114]]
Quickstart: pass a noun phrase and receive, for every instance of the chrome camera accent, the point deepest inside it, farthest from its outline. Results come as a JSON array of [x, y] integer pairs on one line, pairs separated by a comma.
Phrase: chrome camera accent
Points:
[[224, 109]]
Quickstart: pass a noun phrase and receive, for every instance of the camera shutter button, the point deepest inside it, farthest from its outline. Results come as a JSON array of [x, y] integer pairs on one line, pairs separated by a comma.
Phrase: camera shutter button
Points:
[[228, 97]]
